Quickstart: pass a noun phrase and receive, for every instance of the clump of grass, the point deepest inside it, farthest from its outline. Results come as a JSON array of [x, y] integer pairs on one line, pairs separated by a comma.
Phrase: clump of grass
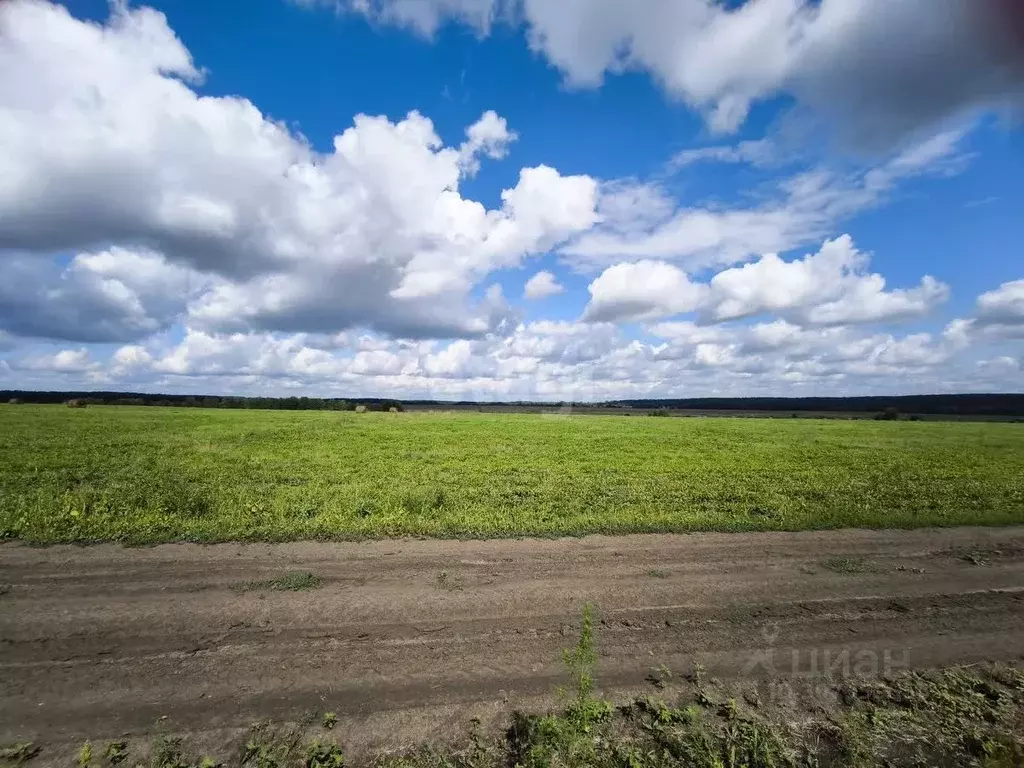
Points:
[[115, 752], [269, 747], [659, 676], [448, 582], [19, 752], [293, 581], [656, 573], [168, 752], [423, 502], [846, 564], [84, 757], [320, 755]]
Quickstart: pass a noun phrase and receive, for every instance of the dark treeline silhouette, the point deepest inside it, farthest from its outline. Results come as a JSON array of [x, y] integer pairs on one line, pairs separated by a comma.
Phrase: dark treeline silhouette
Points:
[[983, 405], [940, 405], [200, 401]]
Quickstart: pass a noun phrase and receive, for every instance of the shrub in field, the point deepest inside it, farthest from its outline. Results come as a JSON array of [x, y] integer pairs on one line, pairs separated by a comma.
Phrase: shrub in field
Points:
[[393, 409], [361, 409], [76, 403], [14, 401]]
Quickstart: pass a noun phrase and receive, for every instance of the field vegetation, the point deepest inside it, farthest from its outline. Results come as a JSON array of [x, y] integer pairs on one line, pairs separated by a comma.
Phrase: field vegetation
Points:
[[144, 475]]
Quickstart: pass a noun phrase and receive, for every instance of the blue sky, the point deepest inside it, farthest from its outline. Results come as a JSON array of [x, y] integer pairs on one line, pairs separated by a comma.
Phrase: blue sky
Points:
[[512, 199]]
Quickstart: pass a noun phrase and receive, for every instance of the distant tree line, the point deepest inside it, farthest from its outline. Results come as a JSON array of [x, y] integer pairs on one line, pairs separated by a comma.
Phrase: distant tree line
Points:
[[946, 405], [986, 405], [200, 401]]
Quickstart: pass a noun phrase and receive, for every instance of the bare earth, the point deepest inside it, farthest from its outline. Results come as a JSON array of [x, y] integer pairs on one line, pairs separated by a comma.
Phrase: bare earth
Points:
[[407, 640]]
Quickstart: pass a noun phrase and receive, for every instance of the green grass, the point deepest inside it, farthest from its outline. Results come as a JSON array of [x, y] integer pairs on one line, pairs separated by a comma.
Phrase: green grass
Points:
[[846, 564], [144, 475], [294, 581]]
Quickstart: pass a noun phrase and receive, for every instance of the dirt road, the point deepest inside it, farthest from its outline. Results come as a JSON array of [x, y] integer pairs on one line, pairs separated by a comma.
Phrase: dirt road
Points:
[[406, 640]]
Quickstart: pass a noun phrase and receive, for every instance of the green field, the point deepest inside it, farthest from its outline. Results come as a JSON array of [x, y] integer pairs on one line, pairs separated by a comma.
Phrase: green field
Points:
[[143, 475]]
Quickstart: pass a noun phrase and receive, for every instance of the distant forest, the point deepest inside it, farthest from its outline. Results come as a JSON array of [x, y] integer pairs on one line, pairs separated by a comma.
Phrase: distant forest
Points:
[[984, 405]]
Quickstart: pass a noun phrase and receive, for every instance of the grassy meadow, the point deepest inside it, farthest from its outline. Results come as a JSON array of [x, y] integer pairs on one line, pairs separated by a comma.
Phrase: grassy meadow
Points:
[[143, 475]]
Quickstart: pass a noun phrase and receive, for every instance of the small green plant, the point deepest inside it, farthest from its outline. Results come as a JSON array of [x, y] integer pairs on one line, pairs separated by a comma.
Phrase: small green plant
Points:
[[581, 659], [84, 756], [270, 747], [846, 564], [330, 720], [293, 581], [976, 558], [655, 573], [659, 677], [168, 753], [319, 755], [448, 582], [116, 751]]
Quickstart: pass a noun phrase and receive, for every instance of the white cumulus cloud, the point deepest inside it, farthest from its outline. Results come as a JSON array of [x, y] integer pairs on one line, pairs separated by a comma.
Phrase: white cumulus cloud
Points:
[[878, 71], [374, 233], [642, 290], [542, 285]]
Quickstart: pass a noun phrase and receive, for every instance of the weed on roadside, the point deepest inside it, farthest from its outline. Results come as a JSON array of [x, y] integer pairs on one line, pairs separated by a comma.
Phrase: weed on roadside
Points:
[[659, 676], [846, 564], [320, 755], [115, 752], [293, 581], [18, 753], [448, 582], [84, 756]]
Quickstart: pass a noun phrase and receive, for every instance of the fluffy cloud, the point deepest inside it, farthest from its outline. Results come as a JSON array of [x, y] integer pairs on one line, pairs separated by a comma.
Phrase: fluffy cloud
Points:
[[829, 287], [374, 233], [64, 361], [489, 136], [639, 221], [542, 285], [111, 295], [999, 316], [542, 360], [642, 290], [826, 288], [837, 57], [1003, 306]]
